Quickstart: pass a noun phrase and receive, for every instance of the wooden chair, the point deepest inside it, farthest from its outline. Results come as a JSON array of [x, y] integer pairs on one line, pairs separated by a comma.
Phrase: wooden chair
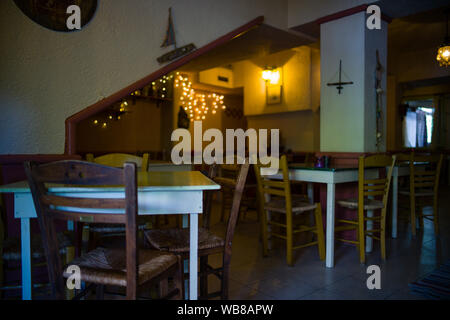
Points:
[[424, 172], [99, 232], [130, 268], [118, 159], [368, 190], [228, 177], [11, 255], [177, 241], [282, 202]]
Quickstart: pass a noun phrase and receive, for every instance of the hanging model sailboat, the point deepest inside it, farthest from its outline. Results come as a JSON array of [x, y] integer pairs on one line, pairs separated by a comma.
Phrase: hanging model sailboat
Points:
[[170, 40]]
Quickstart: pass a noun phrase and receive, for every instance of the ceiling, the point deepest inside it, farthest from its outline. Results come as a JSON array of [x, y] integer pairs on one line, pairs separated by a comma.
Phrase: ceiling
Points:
[[257, 42], [391, 8], [418, 31], [417, 24]]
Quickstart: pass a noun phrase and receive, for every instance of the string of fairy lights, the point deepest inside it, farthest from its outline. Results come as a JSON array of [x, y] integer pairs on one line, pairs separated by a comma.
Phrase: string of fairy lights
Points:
[[198, 105]]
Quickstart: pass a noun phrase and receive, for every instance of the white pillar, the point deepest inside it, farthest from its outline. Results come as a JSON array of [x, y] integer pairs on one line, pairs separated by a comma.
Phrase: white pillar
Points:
[[348, 120]]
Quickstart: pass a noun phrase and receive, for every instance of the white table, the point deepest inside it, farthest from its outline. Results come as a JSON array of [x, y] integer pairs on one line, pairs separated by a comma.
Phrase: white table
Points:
[[331, 177], [342, 174], [158, 193]]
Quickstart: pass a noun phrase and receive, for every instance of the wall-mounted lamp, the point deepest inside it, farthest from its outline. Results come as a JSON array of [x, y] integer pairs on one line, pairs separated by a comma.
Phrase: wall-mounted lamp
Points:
[[272, 77]]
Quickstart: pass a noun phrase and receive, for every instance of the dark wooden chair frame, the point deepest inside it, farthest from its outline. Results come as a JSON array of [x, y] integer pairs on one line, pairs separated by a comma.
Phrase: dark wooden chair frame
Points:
[[221, 272], [52, 207]]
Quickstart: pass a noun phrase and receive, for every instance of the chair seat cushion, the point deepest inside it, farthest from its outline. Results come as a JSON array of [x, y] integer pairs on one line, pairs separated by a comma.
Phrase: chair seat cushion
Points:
[[299, 204], [418, 193], [177, 240], [369, 204], [108, 266], [12, 247]]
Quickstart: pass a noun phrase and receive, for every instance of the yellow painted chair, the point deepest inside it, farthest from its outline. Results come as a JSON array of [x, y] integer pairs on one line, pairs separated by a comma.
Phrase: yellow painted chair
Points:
[[373, 194], [424, 172], [275, 197], [118, 159]]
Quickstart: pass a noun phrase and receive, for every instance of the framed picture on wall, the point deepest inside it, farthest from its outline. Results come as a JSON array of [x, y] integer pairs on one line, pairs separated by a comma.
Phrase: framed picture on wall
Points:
[[273, 94]]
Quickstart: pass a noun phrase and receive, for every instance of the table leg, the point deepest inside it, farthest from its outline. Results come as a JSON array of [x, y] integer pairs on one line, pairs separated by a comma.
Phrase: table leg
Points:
[[26, 258], [193, 257], [185, 224], [311, 192], [394, 202], [369, 226], [330, 225]]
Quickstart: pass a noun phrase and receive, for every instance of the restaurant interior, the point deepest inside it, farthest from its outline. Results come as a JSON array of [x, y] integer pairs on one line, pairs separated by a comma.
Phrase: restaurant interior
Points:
[[356, 108]]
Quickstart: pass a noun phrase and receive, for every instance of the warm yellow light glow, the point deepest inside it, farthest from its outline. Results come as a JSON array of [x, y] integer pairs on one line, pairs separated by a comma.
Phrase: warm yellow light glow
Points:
[[266, 74], [95, 121], [443, 56], [275, 77], [271, 75]]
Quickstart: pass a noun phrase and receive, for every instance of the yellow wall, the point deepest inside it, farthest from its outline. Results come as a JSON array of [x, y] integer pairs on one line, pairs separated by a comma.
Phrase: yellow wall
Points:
[[297, 90]]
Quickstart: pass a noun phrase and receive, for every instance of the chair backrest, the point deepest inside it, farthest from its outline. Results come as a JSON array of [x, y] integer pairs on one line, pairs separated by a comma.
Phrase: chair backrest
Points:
[[237, 196], [274, 187], [50, 207], [375, 187], [208, 196], [118, 159], [424, 172]]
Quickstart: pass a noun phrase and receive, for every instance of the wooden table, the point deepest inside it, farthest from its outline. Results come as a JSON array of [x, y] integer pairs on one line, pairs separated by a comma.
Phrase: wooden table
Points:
[[171, 192]]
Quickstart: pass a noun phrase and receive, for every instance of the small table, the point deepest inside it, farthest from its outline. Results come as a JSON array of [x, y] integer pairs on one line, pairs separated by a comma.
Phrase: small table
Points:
[[174, 192], [342, 174], [331, 176]]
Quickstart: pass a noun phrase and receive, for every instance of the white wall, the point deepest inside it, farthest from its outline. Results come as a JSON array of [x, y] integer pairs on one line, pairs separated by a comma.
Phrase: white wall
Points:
[[47, 76], [342, 39]]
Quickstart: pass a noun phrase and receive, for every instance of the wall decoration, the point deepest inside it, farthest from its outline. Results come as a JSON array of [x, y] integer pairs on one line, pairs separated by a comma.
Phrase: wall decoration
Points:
[[52, 14], [183, 119], [273, 94], [339, 85], [197, 105], [273, 79], [379, 93], [170, 40]]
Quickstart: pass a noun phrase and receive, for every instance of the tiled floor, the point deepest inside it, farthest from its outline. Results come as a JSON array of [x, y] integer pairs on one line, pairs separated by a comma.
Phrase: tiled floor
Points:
[[257, 277]]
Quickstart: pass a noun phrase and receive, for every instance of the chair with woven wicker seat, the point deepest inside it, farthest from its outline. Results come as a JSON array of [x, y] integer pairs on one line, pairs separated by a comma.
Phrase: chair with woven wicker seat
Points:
[[423, 190], [131, 267], [377, 185], [275, 197], [177, 241], [11, 253]]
